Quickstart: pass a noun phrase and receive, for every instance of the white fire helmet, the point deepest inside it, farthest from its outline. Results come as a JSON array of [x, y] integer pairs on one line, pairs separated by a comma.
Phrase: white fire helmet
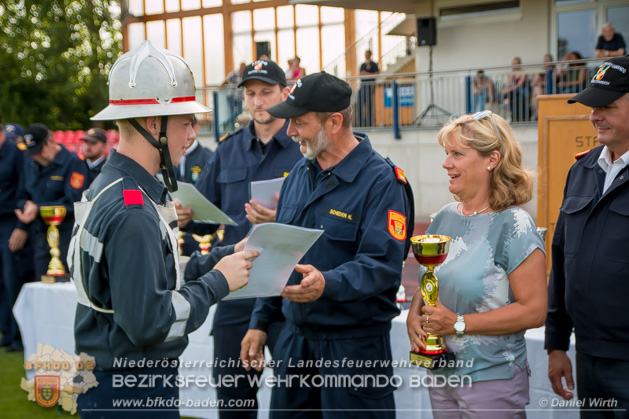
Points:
[[150, 81]]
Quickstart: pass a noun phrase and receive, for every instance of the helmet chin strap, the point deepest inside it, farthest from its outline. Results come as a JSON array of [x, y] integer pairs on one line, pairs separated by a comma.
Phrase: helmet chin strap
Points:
[[165, 164]]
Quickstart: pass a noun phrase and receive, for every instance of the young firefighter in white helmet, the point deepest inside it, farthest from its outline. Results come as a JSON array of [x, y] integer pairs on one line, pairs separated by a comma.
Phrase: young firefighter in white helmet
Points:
[[134, 307]]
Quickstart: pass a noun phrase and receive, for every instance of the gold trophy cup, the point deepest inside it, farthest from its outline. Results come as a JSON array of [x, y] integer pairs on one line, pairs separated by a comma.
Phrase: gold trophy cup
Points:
[[430, 251], [53, 216]]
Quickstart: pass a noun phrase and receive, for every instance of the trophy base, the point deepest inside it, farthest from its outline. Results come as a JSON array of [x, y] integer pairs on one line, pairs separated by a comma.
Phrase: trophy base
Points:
[[431, 361], [53, 279]]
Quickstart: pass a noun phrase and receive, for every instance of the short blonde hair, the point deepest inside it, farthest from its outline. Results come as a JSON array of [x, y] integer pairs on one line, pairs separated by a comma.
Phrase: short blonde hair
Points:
[[511, 184]]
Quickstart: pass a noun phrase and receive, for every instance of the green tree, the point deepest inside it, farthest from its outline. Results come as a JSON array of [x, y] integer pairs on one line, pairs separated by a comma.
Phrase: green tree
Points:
[[55, 57]]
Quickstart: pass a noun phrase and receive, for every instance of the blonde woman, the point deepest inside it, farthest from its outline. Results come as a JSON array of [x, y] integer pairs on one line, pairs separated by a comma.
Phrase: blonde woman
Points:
[[492, 286]]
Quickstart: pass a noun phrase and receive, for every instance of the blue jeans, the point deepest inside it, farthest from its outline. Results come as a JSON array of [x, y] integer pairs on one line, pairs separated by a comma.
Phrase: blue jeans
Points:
[[478, 102]]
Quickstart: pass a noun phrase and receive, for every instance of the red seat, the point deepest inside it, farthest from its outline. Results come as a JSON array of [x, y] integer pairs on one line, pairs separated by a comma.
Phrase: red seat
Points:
[[112, 136], [67, 137], [58, 135], [78, 135]]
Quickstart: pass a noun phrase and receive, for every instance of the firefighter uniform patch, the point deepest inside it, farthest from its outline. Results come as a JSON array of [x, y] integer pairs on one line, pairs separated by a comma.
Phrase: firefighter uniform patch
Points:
[[400, 175], [397, 225], [77, 180]]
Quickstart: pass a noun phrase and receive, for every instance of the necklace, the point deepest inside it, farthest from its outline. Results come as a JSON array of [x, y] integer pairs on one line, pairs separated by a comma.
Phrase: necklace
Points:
[[474, 213]]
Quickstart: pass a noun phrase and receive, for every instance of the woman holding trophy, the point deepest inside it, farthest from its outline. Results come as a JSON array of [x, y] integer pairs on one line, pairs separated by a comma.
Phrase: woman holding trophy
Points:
[[492, 285]]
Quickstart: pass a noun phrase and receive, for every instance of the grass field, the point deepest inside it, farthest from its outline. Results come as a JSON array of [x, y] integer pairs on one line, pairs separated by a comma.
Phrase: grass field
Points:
[[14, 403]]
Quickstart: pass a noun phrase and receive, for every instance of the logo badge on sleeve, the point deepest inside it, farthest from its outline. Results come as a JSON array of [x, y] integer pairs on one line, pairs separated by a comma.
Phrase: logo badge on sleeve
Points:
[[77, 180], [397, 225]]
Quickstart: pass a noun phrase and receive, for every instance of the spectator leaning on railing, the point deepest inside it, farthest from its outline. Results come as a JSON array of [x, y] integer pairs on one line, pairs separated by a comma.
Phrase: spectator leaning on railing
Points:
[[610, 43]]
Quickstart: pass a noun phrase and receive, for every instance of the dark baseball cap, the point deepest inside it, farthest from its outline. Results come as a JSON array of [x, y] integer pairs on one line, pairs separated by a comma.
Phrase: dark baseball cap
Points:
[[319, 92], [264, 70], [95, 135], [34, 138], [13, 130], [610, 82]]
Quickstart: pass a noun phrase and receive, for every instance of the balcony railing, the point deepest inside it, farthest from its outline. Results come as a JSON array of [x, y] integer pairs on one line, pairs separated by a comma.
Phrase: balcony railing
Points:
[[408, 101]]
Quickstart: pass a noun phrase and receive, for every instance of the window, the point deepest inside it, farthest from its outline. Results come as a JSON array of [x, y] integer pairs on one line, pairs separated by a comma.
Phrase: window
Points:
[[578, 23], [576, 31]]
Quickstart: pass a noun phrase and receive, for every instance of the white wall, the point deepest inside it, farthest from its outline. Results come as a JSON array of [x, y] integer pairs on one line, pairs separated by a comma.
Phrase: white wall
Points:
[[490, 41], [420, 156]]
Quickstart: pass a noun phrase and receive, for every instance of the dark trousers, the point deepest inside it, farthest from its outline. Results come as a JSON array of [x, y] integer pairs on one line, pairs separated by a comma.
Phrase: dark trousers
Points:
[[603, 386], [10, 285], [108, 398], [365, 115], [242, 397], [367, 395]]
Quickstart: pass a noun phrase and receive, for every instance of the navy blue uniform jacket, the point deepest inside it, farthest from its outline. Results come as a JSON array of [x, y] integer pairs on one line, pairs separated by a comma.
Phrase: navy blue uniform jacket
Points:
[[226, 182], [363, 208], [127, 265], [194, 163], [589, 281], [60, 183], [11, 170]]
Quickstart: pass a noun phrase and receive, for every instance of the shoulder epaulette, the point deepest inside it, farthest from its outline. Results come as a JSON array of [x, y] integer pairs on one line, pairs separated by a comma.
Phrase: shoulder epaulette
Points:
[[230, 134], [132, 197], [131, 192], [399, 173], [581, 154]]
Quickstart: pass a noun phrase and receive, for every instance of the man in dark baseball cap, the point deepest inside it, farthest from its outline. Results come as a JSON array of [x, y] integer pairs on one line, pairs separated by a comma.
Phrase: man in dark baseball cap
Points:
[[94, 149], [265, 70], [320, 92], [52, 176], [591, 237], [35, 138], [14, 132], [264, 149], [360, 201], [610, 82]]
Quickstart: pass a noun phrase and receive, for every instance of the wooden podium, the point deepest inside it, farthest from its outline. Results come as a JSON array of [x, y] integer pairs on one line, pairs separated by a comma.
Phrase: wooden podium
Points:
[[563, 130]]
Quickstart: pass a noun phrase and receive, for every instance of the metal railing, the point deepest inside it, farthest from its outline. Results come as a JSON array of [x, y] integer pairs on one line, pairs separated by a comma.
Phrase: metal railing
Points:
[[405, 101]]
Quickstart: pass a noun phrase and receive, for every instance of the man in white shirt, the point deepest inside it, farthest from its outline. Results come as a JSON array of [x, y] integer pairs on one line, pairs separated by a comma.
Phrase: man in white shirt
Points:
[[588, 282]]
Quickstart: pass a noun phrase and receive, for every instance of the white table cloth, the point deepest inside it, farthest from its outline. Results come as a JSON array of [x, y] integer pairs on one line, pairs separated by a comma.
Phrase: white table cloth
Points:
[[45, 313]]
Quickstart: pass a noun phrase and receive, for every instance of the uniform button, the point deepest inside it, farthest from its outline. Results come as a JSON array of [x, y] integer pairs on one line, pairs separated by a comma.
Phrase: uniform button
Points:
[[600, 170], [622, 177]]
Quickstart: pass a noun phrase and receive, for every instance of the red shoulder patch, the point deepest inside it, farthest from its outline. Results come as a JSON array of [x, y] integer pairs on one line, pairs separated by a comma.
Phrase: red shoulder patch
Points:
[[397, 225], [132, 197], [581, 154], [77, 180], [400, 175]]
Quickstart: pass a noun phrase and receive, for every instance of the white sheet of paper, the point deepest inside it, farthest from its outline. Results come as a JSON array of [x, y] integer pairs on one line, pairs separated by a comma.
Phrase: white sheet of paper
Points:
[[263, 191], [204, 210], [281, 246]]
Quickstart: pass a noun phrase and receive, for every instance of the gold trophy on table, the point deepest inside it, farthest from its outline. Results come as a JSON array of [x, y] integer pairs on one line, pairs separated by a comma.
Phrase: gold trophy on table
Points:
[[430, 251], [53, 216]]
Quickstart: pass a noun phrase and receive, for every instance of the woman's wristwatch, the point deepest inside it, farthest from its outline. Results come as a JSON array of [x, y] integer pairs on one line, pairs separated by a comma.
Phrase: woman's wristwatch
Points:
[[459, 326]]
